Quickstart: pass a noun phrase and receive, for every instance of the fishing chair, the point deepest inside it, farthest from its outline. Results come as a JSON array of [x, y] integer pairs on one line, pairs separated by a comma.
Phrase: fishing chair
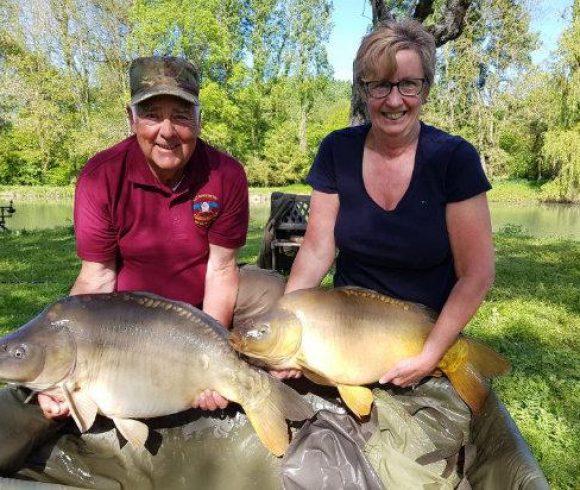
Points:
[[284, 230]]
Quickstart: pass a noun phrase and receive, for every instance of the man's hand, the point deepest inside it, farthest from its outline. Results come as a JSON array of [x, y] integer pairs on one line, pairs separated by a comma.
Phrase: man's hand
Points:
[[53, 407], [286, 373], [210, 400]]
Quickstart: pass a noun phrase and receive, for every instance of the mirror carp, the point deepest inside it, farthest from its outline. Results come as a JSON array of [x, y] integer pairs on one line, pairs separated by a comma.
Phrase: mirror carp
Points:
[[133, 356], [349, 337]]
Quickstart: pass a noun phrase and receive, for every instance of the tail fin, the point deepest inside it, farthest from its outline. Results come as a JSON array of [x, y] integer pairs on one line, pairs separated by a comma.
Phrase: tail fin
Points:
[[268, 416], [470, 378]]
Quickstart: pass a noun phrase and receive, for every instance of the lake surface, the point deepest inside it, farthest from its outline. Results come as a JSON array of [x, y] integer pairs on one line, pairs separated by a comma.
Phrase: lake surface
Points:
[[541, 220]]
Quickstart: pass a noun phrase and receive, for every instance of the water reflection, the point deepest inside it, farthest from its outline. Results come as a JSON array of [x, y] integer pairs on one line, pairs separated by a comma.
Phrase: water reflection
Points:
[[536, 220]]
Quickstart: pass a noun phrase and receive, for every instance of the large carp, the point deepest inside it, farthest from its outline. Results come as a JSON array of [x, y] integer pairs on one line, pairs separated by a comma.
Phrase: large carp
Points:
[[348, 337], [133, 355]]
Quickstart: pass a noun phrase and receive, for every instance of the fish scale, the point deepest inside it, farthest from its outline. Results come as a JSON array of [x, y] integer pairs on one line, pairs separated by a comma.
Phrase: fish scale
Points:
[[136, 355], [349, 337]]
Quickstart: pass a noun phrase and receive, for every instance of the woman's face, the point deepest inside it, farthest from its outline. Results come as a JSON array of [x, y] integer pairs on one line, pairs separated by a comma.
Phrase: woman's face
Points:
[[396, 115]]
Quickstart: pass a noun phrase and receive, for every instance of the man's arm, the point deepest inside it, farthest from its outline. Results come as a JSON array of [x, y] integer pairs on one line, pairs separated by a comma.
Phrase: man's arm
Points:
[[95, 277], [219, 299], [221, 284]]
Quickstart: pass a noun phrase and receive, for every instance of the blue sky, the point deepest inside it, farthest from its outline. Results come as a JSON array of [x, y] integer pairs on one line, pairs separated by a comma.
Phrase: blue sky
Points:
[[351, 19]]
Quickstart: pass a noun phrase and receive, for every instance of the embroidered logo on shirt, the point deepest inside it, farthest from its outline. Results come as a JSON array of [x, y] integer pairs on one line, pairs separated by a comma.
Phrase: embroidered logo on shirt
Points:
[[205, 209]]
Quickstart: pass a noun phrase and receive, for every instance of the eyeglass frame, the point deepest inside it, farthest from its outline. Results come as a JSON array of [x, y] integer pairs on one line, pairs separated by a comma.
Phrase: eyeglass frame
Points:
[[392, 85]]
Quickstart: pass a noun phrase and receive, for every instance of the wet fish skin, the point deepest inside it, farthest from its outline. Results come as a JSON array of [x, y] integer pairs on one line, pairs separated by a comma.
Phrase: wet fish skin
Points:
[[349, 337], [134, 355]]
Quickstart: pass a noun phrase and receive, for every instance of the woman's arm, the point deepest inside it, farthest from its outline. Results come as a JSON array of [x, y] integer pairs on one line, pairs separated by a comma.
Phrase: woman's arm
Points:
[[317, 252], [469, 227]]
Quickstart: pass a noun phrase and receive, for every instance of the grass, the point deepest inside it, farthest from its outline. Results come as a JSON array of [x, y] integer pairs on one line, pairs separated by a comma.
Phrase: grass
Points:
[[532, 316], [515, 190]]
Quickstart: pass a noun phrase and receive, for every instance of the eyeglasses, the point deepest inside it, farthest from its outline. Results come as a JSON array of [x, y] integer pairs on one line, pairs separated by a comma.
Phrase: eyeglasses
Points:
[[381, 89]]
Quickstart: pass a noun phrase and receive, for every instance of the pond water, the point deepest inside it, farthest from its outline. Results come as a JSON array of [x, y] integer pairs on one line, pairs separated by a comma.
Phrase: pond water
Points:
[[537, 219]]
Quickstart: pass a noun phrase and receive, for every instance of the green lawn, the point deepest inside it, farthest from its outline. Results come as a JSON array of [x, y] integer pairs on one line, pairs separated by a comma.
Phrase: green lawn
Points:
[[532, 316]]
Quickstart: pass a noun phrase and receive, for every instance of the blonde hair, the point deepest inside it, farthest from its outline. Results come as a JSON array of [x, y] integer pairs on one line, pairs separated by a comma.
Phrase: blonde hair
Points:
[[375, 59]]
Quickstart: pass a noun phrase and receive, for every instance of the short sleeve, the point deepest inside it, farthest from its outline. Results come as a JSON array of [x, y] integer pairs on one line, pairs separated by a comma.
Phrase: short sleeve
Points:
[[465, 177], [95, 233], [322, 176], [230, 228]]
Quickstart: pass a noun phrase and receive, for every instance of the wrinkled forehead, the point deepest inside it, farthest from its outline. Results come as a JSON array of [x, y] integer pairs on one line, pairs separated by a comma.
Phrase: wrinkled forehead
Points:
[[165, 102]]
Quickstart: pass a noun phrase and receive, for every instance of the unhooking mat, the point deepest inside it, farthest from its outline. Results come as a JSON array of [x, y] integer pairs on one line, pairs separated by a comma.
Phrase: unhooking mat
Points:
[[414, 439]]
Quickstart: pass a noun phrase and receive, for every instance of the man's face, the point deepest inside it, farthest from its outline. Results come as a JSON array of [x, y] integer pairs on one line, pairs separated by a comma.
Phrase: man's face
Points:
[[167, 128]]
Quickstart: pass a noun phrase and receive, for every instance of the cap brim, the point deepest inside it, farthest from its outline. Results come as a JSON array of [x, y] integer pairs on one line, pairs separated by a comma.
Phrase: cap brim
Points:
[[161, 90]]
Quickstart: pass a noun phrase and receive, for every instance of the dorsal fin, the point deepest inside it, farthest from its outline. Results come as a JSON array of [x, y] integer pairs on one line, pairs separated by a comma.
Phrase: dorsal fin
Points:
[[180, 307], [369, 293]]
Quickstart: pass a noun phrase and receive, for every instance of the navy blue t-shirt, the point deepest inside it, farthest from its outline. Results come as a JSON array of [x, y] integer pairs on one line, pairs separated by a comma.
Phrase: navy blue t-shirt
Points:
[[404, 253]]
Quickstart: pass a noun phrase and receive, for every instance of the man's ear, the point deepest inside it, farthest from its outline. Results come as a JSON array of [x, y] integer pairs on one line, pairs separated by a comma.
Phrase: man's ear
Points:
[[130, 117]]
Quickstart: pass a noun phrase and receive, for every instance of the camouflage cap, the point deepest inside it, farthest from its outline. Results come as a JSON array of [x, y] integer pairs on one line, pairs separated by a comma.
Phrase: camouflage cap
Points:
[[163, 75]]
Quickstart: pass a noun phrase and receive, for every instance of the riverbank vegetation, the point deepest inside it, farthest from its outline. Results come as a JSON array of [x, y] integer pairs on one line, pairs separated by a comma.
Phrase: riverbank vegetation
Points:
[[515, 190], [532, 316], [268, 94]]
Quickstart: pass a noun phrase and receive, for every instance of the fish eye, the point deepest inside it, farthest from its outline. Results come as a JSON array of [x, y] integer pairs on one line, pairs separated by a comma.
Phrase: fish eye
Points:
[[19, 352], [259, 332]]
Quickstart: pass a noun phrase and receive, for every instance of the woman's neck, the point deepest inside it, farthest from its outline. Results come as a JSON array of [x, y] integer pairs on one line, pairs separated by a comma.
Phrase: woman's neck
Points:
[[393, 147]]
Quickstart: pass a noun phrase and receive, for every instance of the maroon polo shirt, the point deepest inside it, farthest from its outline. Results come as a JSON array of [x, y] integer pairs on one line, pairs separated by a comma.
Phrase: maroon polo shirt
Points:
[[158, 236]]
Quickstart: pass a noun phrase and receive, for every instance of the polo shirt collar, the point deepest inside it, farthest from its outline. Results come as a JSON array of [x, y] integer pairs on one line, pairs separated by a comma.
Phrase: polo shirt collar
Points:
[[139, 172]]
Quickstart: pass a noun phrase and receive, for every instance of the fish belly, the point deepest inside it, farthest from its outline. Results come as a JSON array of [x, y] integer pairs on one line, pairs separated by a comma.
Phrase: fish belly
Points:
[[354, 351], [145, 386]]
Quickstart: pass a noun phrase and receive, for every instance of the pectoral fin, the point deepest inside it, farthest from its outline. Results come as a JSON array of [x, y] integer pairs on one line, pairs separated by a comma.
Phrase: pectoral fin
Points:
[[82, 408], [134, 431], [317, 378], [358, 398]]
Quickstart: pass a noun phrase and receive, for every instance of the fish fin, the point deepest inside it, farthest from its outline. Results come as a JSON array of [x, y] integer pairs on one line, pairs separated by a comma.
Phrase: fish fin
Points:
[[470, 377], [358, 398], [83, 410], [134, 431], [268, 416], [319, 379]]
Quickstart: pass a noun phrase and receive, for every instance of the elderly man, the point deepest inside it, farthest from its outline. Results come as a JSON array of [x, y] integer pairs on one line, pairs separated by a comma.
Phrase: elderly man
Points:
[[161, 211]]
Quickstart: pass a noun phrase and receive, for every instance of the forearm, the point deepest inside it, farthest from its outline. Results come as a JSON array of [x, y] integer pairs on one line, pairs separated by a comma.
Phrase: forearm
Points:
[[221, 289], [95, 277], [463, 302], [310, 266]]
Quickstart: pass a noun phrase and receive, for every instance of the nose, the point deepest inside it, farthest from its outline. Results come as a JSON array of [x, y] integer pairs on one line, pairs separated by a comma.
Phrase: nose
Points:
[[166, 129], [394, 98]]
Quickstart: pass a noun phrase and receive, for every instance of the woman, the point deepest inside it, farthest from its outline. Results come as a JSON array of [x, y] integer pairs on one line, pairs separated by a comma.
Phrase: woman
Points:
[[403, 202]]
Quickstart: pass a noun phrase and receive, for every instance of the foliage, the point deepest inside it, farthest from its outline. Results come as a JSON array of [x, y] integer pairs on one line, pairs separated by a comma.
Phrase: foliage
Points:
[[267, 93]]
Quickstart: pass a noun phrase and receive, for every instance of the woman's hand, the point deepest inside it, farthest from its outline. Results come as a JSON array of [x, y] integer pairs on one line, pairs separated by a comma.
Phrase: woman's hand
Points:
[[53, 407], [210, 400], [286, 373], [410, 371]]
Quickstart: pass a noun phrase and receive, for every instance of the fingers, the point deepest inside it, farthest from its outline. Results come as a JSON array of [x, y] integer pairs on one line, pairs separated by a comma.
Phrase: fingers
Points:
[[210, 400], [286, 373], [51, 407]]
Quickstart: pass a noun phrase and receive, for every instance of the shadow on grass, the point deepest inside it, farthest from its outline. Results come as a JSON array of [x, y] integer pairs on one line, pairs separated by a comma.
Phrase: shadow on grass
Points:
[[538, 270]]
